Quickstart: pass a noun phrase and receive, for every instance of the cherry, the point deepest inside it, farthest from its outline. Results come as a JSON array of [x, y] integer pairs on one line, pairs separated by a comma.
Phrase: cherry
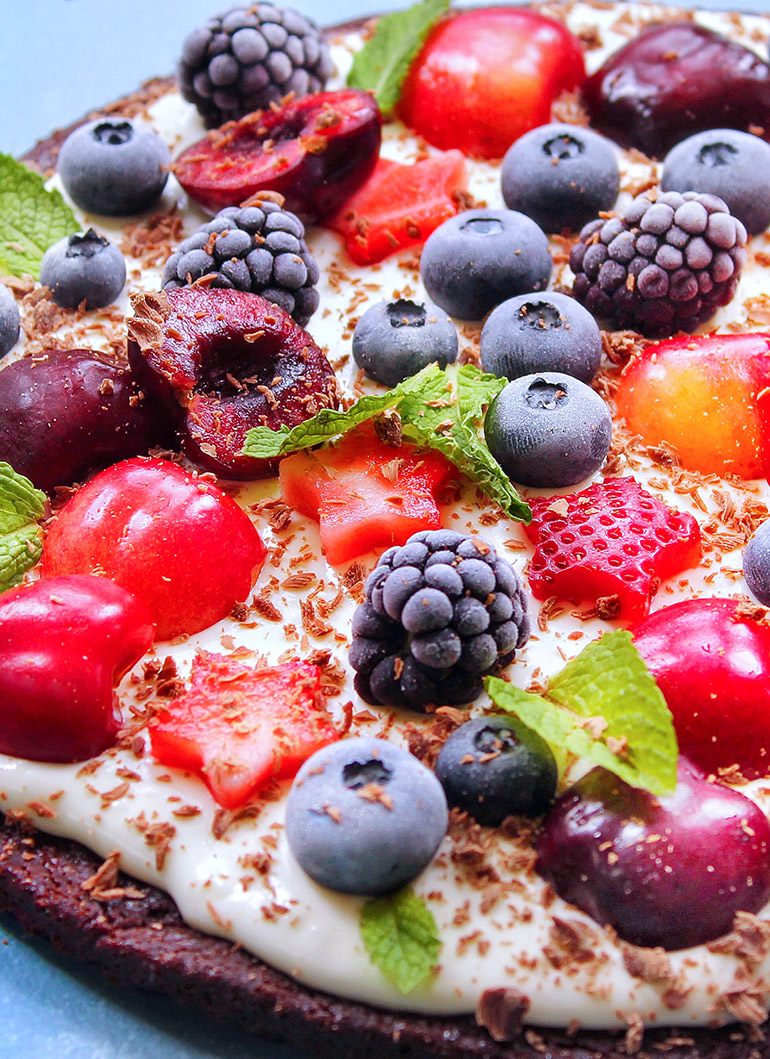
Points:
[[711, 660], [64, 645], [223, 361], [673, 81], [65, 412], [315, 151], [669, 871]]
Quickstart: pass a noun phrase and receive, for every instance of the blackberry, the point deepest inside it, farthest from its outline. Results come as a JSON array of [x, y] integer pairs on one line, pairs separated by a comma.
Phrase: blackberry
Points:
[[440, 612], [665, 265], [247, 58], [259, 248]]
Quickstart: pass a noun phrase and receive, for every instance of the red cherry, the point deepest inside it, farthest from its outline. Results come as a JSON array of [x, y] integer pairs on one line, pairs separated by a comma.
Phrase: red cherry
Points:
[[711, 660]]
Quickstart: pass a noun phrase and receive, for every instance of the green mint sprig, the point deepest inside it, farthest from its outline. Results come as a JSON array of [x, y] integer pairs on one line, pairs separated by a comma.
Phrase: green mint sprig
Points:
[[605, 706], [439, 409], [383, 63], [21, 538], [401, 938], [31, 218]]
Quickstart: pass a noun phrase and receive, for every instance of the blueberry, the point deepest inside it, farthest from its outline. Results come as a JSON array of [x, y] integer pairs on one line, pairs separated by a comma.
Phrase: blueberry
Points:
[[364, 816], [541, 332], [394, 340], [561, 176], [476, 260], [733, 165], [114, 167], [495, 767], [756, 564], [83, 267], [10, 322], [548, 430]]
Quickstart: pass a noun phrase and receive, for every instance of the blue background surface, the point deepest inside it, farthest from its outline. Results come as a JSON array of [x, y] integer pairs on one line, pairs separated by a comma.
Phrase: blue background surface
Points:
[[60, 58]]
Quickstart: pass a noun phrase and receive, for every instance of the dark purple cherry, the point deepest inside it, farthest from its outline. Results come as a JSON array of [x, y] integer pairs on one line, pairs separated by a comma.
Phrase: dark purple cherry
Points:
[[675, 80], [669, 871]]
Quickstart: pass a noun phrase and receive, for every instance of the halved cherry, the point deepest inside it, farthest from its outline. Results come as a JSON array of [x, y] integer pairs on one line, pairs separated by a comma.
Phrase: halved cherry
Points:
[[224, 361], [314, 151]]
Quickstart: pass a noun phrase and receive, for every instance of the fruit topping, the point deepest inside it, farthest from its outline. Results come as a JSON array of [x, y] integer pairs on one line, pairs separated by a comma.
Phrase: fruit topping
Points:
[[394, 340], [64, 412], [239, 727], [673, 80], [400, 205], [249, 58], [65, 643], [149, 525], [667, 871], [10, 321], [259, 248], [364, 816], [114, 167], [83, 268], [486, 76], [666, 264], [711, 660], [612, 543], [493, 767], [548, 429], [700, 395], [479, 258], [561, 176], [223, 361], [365, 494], [440, 612], [314, 151], [756, 564], [541, 332]]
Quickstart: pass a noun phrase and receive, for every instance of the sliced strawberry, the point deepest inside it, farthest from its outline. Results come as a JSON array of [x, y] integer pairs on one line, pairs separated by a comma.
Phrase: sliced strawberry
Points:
[[315, 151], [705, 396], [613, 542], [484, 77], [239, 727], [400, 205], [365, 494]]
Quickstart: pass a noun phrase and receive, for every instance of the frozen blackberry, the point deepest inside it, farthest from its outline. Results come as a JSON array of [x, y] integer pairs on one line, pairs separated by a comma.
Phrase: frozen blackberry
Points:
[[247, 58], [441, 612], [259, 248], [665, 265]]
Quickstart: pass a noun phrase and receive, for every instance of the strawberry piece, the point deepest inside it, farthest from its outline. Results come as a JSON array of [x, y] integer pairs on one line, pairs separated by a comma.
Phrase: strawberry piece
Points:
[[238, 727], [400, 205], [612, 542], [365, 494], [485, 77], [705, 396]]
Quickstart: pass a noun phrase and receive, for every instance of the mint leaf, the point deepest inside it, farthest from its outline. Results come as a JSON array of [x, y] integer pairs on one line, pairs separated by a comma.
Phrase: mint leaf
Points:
[[21, 539], [440, 409], [401, 938], [604, 706], [383, 63], [31, 218]]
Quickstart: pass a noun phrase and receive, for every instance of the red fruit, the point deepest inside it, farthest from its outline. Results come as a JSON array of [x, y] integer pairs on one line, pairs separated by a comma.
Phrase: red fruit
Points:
[[485, 77], [700, 395], [400, 205], [239, 727], [667, 871], [315, 151], [223, 361], [365, 494], [175, 541], [673, 81], [612, 542], [64, 645], [711, 660]]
